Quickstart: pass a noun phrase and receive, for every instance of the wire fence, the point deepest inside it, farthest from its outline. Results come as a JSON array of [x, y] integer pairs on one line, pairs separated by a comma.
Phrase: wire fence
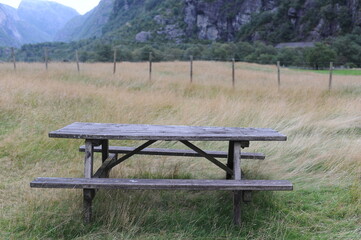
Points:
[[152, 58]]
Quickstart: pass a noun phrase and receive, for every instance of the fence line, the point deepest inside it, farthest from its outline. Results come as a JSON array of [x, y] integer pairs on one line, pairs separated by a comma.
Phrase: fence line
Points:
[[191, 60]]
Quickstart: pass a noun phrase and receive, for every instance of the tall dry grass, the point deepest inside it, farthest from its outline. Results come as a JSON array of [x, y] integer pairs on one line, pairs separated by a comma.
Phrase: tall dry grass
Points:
[[323, 127]]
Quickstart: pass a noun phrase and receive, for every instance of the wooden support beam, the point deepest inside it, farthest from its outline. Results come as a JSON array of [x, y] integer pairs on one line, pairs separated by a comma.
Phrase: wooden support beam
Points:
[[13, 57], [207, 156], [230, 158], [88, 194], [125, 157], [176, 152], [330, 78], [77, 60], [191, 68], [46, 57], [103, 171], [233, 73], [237, 175]]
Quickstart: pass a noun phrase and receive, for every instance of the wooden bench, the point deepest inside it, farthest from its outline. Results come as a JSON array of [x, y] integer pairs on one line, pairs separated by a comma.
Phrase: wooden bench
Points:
[[175, 184], [174, 152]]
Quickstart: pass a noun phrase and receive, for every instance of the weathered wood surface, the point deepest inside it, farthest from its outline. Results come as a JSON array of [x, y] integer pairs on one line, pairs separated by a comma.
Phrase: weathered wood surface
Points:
[[88, 159], [175, 152], [237, 198], [110, 131], [181, 184], [237, 175], [103, 170]]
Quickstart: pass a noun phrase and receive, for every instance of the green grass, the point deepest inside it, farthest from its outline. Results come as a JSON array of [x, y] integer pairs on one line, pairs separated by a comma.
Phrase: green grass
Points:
[[325, 213], [321, 156], [344, 72]]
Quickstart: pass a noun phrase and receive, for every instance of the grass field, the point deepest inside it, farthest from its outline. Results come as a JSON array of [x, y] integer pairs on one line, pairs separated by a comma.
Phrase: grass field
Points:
[[322, 156], [344, 72]]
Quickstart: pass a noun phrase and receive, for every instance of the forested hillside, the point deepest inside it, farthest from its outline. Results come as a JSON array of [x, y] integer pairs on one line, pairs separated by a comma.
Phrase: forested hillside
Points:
[[246, 30]]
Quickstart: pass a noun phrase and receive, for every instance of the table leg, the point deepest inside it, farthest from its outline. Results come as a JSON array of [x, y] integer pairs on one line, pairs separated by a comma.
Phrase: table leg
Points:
[[105, 155], [237, 195], [230, 158], [88, 194]]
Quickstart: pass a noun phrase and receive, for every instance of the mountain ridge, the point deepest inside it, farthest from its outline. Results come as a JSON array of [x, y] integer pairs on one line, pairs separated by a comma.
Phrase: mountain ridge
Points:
[[271, 21], [32, 22]]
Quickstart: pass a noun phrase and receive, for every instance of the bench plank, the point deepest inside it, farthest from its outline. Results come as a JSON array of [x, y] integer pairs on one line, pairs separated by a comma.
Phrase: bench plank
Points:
[[181, 184], [174, 152]]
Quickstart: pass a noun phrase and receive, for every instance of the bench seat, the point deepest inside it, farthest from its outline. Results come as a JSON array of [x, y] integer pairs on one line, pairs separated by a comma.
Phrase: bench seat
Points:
[[180, 184], [174, 152]]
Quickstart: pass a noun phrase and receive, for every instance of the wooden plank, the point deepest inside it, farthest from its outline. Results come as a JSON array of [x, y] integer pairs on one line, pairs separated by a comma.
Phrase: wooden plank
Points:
[[180, 184], [205, 155], [176, 152], [160, 132]]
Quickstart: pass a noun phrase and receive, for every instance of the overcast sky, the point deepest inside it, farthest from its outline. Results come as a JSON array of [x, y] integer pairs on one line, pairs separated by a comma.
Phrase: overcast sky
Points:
[[82, 6]]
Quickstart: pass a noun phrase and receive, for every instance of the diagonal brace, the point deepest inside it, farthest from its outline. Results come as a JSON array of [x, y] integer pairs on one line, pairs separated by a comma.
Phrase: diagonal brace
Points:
[[103, 168], [128, 155], [207, 156]]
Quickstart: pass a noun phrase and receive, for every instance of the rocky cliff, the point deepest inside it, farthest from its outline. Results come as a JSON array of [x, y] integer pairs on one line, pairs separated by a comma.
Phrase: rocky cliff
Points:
[[219, 20]]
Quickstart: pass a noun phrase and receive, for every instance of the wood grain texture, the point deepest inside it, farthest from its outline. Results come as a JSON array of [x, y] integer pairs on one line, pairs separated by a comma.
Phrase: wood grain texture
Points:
[[175, 152], [103, 169], [237, 197], [88, 159], [182, 184], [110, 131], [236, 161]]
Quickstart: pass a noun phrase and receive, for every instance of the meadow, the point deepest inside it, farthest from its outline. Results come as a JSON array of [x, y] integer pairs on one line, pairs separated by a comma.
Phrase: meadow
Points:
[[322, 156]]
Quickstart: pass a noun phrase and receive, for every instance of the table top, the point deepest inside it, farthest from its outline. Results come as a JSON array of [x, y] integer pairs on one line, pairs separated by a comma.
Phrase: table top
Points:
[[80, 130]]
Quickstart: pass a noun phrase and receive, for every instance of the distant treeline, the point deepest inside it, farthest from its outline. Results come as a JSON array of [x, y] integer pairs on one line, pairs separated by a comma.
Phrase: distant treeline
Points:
[[343, 51]]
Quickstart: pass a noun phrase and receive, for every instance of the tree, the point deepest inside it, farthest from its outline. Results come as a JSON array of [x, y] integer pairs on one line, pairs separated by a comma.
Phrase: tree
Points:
[[320, 56], [104, 53]]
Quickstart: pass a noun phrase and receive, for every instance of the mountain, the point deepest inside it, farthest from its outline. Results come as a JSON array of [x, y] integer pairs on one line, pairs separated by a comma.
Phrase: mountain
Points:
[[9, 33], [271, 21], [48, 16], [87, 26], [34, 21], [14, 31]]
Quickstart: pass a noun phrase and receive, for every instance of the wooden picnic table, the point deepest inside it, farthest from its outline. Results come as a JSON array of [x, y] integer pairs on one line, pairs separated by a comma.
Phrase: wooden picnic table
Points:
[[97, 136]]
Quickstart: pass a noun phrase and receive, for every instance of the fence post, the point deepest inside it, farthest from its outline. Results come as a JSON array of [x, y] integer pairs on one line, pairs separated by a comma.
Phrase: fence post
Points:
[[233, 73], [46, 57], [330, 80], [115, 61], [279, 74], [77, 60], [150, 65], [13, 57], [191, 68]]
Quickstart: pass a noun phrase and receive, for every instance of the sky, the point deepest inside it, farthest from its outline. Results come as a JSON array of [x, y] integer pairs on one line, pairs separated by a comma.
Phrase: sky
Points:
[[82, 6]]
